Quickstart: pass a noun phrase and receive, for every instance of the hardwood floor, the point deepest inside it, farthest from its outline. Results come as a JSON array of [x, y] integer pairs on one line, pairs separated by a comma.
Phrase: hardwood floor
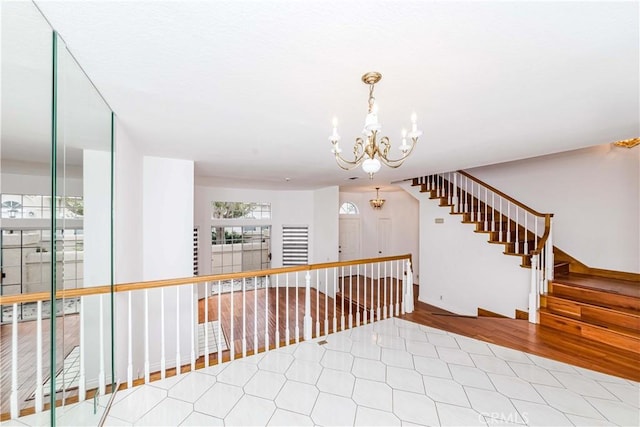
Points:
[[517, 334], [67, 338], [535, 339]]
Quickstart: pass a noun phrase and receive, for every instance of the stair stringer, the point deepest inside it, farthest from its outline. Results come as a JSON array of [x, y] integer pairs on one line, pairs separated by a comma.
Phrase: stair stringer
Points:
[[459, 270]]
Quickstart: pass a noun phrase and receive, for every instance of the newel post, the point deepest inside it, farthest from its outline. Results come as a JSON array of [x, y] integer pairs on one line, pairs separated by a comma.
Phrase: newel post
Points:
[[408, 290], [307, 307]]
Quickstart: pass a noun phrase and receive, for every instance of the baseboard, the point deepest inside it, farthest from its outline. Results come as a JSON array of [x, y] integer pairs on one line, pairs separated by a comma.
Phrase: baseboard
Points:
[[486, 313]]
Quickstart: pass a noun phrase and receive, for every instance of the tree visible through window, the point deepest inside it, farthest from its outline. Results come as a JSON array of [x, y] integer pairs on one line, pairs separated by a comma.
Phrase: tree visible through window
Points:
[[348, 208], [240, 210]]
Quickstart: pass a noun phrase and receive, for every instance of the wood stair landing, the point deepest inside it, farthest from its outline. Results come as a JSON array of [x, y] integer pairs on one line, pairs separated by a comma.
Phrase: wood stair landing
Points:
[[597, 308]]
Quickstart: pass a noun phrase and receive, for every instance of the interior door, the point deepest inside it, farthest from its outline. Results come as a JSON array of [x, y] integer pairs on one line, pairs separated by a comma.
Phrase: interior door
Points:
[[384, 236], [349, 240]]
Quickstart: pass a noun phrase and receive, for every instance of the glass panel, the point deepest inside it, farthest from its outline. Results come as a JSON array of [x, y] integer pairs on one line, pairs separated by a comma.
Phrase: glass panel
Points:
[[25, 167], [83, 208]]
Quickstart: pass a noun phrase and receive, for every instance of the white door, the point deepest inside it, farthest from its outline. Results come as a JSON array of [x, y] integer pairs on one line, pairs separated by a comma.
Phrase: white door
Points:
[[384, 237], [349, 239]]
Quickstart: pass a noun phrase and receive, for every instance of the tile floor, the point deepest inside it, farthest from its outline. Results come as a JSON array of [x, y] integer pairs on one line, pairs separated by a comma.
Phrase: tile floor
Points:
[[393, 372]]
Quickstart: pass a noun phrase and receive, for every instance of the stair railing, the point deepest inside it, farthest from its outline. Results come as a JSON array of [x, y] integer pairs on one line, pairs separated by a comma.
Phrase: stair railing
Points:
[[524, 231], [182, 324]]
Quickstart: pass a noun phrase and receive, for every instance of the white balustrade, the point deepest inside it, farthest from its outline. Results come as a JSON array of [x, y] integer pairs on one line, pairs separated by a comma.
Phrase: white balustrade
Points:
[[387, 287]]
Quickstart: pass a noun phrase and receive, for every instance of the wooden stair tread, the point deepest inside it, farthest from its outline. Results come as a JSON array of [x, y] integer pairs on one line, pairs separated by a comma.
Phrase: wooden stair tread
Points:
[[617, 286], [605, 330]]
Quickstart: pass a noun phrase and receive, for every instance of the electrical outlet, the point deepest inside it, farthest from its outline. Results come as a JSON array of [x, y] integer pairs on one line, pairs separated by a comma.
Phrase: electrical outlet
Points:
[[440, 297]]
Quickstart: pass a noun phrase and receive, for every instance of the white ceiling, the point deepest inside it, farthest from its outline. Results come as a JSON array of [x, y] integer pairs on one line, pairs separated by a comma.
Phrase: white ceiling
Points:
[[247, 89]]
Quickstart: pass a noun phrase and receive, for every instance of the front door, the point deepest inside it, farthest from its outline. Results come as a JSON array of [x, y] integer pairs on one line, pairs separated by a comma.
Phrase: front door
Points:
[[349, 241]]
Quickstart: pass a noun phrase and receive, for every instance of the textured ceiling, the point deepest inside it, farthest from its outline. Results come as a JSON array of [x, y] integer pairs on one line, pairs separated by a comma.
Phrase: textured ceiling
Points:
[[247, 89]]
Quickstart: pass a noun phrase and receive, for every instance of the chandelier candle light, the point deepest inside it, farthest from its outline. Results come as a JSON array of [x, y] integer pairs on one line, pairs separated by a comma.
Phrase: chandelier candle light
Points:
[[368, 152]]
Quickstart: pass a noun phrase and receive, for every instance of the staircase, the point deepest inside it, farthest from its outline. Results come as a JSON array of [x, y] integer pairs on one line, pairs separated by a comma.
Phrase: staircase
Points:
[[600, 305]]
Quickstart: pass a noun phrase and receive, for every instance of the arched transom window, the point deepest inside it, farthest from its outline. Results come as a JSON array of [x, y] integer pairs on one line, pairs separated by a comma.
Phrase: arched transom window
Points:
[[348, 208]]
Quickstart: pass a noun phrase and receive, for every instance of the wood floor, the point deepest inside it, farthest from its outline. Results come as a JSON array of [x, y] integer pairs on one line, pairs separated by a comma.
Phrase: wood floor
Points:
[[517, 334], [67, 338]]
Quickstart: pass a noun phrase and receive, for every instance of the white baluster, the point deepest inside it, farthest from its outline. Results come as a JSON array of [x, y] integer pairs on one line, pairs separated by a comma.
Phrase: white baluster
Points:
[[335, 284], [486, 216], [391, 287], [350, 298], [232, 353], [178, 361], [163, 356], [102, 386], [286, 314], [358, 295], [129, 342], [372, 313], [533, 291], [364, 301], [13, 399], [493, 211], [378, 310], [244, 318], [465, 208], [39, 390], [518, 235], [220, 321], [308, 321], [277, 333], [266, 313], [297, 328], [450, 189], [255, 314], [317, 303], [82, 381], [342, 302], [403, 291], [456, 198], [508, 221], [526, 233], [384, 302], [194, 325], [206, 323], [147, 372], [326, 301]]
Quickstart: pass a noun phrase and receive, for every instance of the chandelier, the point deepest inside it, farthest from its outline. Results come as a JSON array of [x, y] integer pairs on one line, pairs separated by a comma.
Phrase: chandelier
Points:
[[368, 151], [377, 202]]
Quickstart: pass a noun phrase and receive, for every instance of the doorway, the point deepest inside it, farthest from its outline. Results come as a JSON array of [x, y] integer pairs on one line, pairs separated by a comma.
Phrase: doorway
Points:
[[349, 240]]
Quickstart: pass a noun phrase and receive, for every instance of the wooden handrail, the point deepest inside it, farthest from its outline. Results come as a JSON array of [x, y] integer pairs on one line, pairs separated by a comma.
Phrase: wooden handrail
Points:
[[501, 194], [135, 286], [545, 235]]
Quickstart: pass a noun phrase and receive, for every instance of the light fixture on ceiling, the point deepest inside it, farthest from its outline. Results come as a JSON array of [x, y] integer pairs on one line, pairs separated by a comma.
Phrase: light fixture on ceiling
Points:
[[369, 152], [627, 143], [377, 202]]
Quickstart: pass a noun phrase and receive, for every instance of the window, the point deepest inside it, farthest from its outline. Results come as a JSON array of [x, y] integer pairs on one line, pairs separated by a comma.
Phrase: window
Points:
[[237, 249], [295, 245], [26, 206], [240, 210], [348, 208]]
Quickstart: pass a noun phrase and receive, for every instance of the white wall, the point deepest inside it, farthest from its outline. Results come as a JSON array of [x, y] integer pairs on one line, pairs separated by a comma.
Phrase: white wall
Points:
[[402, 209], [167, 251], [461, 271], [127, 244], [97, 258], [594, 194], [325, 224]]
